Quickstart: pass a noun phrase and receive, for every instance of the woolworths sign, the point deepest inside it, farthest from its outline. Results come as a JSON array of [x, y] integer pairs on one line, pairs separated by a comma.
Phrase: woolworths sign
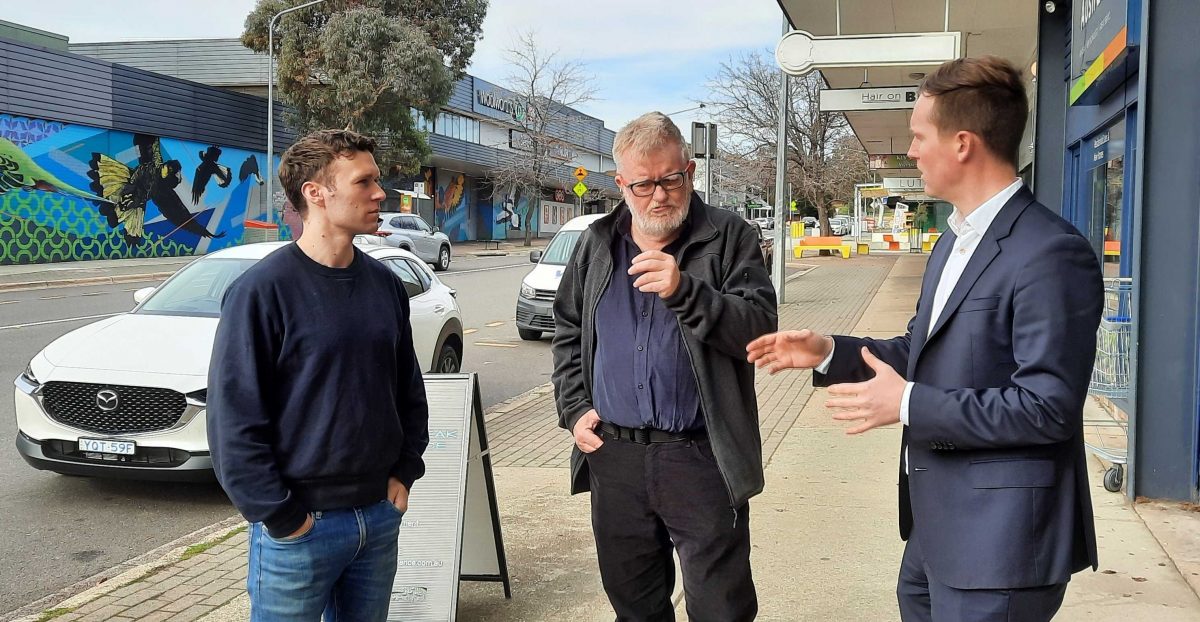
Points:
[[509, 105]]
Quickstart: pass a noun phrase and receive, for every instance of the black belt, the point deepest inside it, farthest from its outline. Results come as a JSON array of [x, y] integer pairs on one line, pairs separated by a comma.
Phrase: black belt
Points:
[[648, 436]]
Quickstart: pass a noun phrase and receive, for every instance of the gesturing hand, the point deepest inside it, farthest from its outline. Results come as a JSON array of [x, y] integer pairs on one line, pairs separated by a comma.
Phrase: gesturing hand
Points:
[[659, 273], [789, 349], [875, 402]]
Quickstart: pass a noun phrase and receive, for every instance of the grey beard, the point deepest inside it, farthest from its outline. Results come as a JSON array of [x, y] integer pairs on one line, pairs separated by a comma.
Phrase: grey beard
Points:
[[659, 227]]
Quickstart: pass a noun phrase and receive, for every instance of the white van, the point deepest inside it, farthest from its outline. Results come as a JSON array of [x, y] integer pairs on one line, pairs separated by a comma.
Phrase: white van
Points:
[[535, 304]]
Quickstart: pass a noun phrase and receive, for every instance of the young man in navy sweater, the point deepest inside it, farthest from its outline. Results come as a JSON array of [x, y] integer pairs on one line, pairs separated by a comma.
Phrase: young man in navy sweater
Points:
[[317, 416]]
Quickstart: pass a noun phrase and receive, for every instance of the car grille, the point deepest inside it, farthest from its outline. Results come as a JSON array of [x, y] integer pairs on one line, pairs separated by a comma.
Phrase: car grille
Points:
[[529, 318], [139, 409], [543, 294]]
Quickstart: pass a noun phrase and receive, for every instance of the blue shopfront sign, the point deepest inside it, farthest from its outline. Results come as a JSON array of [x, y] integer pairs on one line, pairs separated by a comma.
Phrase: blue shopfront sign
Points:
[[1094, 24], [1103, 33]]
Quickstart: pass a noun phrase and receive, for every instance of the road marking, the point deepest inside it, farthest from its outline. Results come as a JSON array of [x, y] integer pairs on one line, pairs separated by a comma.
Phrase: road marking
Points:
[[494, 324], [69, 319], [94, 293], [494, 345], [51, 297], [458, 272], [470, 331], [9, 302], [800, 273]]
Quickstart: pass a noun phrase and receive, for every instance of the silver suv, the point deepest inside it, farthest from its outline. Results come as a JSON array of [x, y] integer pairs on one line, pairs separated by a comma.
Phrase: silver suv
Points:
[[411, 233], [839, 225]]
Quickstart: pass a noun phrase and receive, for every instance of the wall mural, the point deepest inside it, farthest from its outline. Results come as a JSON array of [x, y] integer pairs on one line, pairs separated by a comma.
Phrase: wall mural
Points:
[[510, 206], [452, 198], [72, 192]]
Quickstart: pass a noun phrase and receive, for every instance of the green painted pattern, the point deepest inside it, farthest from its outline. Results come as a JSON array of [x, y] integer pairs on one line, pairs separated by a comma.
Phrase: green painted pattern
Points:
[[23, 241]]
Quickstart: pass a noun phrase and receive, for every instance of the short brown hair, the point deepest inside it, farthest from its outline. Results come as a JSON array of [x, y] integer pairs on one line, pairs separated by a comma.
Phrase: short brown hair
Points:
[[984, 96], [308, 159]]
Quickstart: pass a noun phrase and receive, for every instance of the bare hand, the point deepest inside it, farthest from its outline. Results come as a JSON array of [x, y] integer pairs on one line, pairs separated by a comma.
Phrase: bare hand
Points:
[[874, 403], [304, 528], [397, 494], [659, 273], [585, 437], [788, 349]]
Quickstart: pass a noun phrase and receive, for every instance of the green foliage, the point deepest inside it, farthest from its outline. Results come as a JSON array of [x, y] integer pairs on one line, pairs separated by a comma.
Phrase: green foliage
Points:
[[363, 64]]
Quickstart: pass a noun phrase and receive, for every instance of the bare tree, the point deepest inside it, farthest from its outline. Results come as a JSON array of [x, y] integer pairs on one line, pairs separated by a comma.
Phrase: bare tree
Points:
[[547, 88], [824, 159], [738, 178]]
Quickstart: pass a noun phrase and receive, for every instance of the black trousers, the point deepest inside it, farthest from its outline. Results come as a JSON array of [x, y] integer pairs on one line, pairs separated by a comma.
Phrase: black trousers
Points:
[[648, 499], [923, 598]]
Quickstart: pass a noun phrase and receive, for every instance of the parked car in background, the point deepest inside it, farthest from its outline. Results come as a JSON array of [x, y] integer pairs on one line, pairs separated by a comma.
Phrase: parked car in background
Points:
[[765, 223], [766, 243], [126, 396], [535, 303], [839, 225], [411, 233]]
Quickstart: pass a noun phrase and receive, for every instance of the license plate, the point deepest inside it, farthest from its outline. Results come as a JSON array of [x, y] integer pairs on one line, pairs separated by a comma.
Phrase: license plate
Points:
[[101, 446]]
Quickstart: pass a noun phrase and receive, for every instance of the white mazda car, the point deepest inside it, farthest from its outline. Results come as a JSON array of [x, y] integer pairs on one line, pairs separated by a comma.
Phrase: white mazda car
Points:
[[125, 396]]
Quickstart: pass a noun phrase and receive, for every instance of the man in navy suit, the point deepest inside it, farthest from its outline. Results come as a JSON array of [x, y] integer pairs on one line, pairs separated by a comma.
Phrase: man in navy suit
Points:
[[991, 377]]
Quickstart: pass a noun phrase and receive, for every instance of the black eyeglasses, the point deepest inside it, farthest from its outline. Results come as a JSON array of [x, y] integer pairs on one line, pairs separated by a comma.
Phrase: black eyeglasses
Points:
[[645, 188]]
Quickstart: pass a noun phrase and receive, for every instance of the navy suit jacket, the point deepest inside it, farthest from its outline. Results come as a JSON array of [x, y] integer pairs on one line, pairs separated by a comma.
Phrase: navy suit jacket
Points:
[[997, 488]]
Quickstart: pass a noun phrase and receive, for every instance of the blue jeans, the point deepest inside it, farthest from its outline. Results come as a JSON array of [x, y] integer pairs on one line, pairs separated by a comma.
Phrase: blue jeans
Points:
[[344, 566]]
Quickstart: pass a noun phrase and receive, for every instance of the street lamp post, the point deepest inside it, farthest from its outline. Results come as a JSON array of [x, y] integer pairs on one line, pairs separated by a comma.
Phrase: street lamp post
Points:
[[271, 105], [778, 270]]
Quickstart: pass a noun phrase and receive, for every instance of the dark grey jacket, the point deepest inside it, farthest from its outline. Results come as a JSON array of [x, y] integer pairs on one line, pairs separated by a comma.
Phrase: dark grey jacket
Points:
[[724, 301]]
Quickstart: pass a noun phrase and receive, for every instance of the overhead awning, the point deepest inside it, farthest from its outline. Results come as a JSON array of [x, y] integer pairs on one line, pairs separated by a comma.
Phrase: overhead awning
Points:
[[1005, 29]]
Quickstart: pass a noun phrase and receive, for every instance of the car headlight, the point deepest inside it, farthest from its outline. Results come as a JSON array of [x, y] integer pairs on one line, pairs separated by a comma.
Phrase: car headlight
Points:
[[28, 376], [527, 291]]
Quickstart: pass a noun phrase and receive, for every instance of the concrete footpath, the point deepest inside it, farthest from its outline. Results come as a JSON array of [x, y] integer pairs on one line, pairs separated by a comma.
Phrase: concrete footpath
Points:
[[825, 544]]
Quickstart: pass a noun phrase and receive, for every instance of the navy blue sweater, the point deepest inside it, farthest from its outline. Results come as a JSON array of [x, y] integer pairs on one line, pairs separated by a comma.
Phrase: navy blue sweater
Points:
[[315, 395]]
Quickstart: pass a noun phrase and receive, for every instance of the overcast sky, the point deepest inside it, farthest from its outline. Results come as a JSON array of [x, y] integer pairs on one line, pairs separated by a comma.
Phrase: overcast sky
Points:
[[645, 54]]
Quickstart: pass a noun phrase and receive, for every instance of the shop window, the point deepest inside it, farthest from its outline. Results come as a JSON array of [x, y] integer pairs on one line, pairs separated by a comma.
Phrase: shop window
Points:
[[1106, 186]]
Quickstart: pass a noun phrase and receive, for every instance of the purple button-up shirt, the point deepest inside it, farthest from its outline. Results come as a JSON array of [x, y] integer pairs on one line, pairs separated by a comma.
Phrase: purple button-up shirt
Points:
[[642, 376]]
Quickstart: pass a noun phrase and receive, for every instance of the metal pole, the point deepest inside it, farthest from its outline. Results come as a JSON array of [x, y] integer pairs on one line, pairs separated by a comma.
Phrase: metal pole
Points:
[[708, 164], [857, 216], [778, 278], [271, 118], [271, 106]]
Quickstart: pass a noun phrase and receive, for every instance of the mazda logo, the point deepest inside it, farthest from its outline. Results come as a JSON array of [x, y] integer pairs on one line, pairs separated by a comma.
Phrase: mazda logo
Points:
[[107, 400]]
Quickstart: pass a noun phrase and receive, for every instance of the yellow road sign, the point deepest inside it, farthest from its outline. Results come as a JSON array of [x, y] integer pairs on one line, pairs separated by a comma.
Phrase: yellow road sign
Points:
[[580, 189], [580, 173]]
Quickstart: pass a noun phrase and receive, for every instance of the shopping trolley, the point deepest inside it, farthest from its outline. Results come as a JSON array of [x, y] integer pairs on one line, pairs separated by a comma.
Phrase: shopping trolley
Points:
[[1108, 437]]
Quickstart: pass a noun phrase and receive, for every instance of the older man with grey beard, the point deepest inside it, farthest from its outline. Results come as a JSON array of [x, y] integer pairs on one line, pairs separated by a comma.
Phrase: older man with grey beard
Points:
[[653, 315]]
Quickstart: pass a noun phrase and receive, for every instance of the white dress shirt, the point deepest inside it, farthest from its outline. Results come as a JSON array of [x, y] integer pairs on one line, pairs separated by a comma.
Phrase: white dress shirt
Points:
[[968, 232]]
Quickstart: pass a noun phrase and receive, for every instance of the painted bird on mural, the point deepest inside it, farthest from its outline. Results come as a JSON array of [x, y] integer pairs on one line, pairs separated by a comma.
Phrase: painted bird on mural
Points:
[[446, 199], [127, 189], [18, 171], [168, 202], [205, 171], [250, 169]]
